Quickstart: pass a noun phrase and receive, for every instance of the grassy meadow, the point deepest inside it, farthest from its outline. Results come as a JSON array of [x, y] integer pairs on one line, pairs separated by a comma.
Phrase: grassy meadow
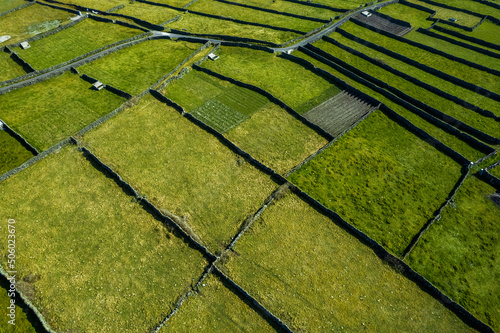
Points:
[[90, 258], [182, 168], [152, 14], [459, 253], [375, 178], [445, 14], [320, 278], [291, 7], [54, 109], [10, 69], [12, 153], [98, 4], [10, 4], [216, 308], [301, 90], [143, 63], [22, 323], [446, 138], [31, 21], [86, 36]]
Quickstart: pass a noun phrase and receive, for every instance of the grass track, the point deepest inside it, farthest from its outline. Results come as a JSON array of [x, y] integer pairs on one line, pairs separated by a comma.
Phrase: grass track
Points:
[[90, 257], [375, 179], [320, 278], [459, 254]]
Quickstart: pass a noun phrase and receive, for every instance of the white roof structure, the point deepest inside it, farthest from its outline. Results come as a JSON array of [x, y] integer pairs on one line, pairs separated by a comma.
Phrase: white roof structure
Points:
[[25, 45], [98, 85], [366, 13], [4, 38], [213, 56]]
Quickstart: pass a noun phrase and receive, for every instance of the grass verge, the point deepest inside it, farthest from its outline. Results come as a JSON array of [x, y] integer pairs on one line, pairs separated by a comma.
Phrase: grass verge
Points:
[[459, 254], [90, 258]]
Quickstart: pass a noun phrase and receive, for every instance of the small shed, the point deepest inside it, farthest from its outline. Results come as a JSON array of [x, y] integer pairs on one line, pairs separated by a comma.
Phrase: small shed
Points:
[[4, 38], [25, 45], [213, 56], [366, 13], [451, 19], [98, 85], [1, 126]]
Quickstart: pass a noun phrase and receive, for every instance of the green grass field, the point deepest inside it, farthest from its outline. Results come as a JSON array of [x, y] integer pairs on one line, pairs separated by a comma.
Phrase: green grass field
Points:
[[152, 14], [472, 6], [275, 138], [252, 15], [215, 308], [90, 257], [70, 43], [31, 21], [461, 71], [197, 24], [12, 153], [320, 278], [489, 81], [445, 14], [459, 254], [55, 109], [375, 179], [10, 69], [98, 4], [495, 171], [22, 324], [143, 63], [248, 119], [346, 4], [182, 168], [436, 132], [10, 4], [291, 7], [417, 18], [487, 31], [454, 50], [301, 90]]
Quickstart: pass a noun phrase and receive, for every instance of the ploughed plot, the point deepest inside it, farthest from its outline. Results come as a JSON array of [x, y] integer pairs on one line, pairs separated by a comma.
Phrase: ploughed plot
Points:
[[12, 152], [216, 308], [182, 169], [136, 68], [382, 179], [294, 85], [90, 258], [84, 37], [10, 69], [52, 110], [438, 133], [459, 253], [340, 112], [320, 278], [248, 119], [31, 21]]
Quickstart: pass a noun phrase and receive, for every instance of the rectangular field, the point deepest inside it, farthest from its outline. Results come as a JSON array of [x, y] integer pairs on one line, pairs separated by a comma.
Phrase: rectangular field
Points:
[[97, 4], [31, 21], [216, 308], [10, 69], [375, 178], [320, 278], [90, 257], [445, 14], [296, 86], [136, 68], [152, 14], [70, 43], [459, 253], [198, 24], [12, 153], [10, 4], [446, 138], [487, 31], [291, 7], [183, 169], [52, 110]]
